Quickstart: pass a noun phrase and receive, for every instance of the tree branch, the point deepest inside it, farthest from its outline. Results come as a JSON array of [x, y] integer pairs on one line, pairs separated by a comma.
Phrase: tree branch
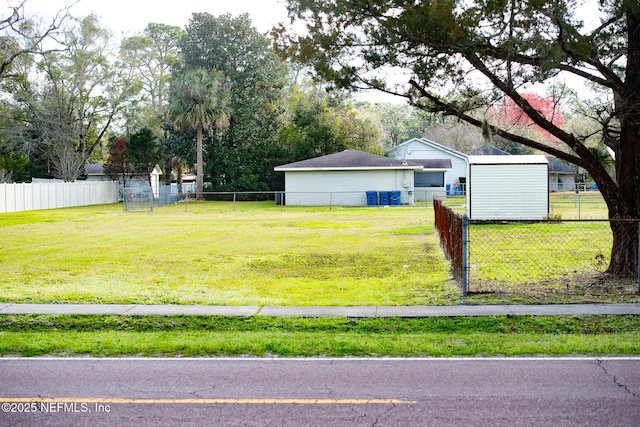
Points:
[[451, 110], [32, 41]]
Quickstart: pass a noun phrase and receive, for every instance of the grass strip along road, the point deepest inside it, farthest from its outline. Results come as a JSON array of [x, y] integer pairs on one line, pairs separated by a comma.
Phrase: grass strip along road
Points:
[[189, 336]]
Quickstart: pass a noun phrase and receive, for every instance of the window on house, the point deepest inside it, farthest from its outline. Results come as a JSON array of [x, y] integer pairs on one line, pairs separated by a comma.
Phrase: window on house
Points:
[[429, 179]]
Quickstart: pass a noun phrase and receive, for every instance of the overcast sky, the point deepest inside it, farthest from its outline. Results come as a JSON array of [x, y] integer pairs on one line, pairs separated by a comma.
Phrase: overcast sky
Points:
[[132, 16], [128, 17]]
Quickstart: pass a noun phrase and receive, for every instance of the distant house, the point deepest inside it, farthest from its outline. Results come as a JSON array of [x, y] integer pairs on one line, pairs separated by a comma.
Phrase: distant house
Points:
[[349, 178], [444, 169], [95, 172], [562, 177], [488, 150]]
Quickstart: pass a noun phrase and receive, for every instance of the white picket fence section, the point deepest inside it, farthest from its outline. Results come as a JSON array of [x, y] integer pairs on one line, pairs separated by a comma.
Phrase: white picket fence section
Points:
[[53, 195]]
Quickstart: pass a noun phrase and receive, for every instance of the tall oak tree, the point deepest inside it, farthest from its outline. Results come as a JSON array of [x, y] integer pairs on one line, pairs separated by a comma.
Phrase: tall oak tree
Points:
[[457, 56]]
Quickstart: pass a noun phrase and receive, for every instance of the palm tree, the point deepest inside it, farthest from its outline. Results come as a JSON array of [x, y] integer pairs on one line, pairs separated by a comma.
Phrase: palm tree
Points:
[[200, 101]]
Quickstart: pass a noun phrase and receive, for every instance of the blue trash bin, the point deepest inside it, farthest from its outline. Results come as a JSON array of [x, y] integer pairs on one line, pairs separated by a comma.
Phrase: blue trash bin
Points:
[[395, 198], [372, 198], [384, 198]]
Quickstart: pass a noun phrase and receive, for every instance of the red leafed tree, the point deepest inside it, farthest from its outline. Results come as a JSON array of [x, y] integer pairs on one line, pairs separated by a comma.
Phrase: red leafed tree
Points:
[[510, 115], [507, 46], [119, 165]]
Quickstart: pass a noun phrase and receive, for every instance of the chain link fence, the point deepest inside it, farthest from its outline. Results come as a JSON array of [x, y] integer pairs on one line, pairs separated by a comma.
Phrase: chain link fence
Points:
[[144, 199], [525, 257]]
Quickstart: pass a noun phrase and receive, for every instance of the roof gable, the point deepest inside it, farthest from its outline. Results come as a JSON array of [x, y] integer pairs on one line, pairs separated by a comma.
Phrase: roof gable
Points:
[[397, 150], [349, 159]]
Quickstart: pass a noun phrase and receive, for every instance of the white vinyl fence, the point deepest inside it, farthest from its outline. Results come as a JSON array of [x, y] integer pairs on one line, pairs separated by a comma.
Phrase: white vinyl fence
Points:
[[52, 195]]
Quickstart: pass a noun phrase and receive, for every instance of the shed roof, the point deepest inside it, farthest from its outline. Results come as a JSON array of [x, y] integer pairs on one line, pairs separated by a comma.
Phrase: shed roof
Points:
[[534, 159], [348, 160]]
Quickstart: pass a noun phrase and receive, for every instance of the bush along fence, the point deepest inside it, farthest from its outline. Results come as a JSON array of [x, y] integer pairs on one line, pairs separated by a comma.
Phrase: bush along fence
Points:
[[522, 256]]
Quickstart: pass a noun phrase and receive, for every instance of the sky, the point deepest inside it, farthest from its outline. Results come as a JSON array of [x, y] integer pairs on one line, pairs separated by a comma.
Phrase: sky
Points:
[[127, 17]]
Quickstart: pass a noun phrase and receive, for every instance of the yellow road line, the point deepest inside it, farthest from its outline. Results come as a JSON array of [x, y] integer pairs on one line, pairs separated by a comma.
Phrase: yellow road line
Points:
[[270, 401]]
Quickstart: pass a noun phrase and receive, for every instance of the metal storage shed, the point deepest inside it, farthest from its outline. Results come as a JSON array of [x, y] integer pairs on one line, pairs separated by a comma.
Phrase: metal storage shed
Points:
[[508, 187]]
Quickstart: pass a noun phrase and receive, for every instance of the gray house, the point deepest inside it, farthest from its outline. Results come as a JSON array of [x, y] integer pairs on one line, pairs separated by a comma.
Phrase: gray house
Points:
[[444, 169], [346, 178], [562, 177]]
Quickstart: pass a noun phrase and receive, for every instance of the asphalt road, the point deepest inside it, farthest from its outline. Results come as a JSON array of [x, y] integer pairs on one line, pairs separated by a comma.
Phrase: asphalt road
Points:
[[320, 392]]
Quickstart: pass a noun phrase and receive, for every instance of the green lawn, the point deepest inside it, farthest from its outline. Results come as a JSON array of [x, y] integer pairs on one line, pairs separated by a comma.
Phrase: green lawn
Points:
[[544, 262], [218, 253], [582, 205], [258, 253], [525, 253]]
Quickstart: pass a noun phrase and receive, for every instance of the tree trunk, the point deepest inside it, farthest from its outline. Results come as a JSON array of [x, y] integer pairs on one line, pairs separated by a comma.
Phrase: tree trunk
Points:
[[199, 166], [624, 253], [168, 170], [179, 178]]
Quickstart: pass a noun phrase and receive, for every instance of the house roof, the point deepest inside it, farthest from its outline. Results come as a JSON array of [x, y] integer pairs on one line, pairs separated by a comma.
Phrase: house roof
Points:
[[94, 169], [431, 144], [433, 163], [348, 160], [97, 169], [558, 166], [488, 150]]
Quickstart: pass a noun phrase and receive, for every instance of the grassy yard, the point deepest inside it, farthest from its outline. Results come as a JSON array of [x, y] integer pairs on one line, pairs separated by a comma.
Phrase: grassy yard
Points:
[[257, 253], [538, 260], [217, 253]]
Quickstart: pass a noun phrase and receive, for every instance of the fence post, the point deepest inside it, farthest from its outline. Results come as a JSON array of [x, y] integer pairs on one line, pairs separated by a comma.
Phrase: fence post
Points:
[[638, 254], [465, 234]]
